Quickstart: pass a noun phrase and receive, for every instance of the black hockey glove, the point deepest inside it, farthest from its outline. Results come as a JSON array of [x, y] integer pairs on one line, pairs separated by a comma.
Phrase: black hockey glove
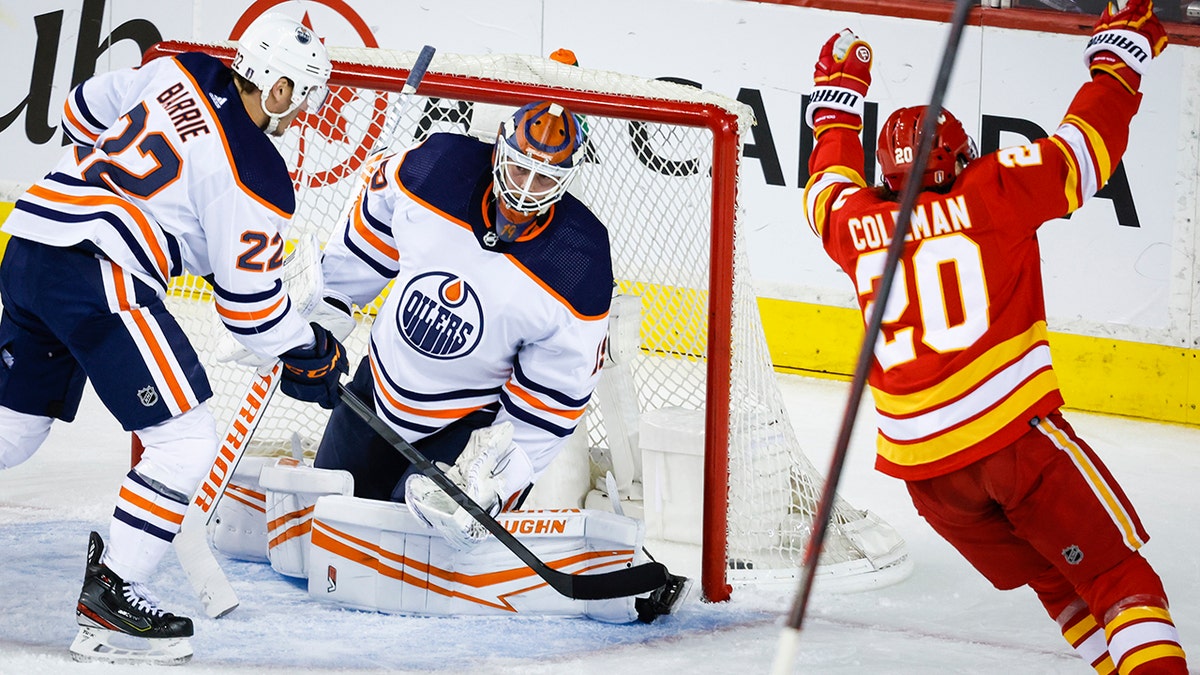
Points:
[[311, 374]]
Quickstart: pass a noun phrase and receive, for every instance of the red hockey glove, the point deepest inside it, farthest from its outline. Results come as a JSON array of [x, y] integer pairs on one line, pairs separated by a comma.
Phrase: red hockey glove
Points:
[[311, 373], [841, 78], [1124, 40]]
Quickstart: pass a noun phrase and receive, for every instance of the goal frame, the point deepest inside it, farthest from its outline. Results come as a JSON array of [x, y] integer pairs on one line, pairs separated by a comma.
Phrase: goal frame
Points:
[[725, 128]]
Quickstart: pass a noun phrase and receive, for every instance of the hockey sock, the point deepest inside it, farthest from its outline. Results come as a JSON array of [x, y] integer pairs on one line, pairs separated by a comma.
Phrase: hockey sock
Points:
[[1081, 630], [144, 522]]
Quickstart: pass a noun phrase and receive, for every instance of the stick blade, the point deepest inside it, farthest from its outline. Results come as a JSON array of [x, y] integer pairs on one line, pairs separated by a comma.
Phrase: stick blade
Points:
[[620, 583], [203, 572]]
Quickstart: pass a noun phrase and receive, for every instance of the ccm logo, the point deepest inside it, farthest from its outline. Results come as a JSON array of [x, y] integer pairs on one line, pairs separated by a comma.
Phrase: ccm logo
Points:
[[231, 448]]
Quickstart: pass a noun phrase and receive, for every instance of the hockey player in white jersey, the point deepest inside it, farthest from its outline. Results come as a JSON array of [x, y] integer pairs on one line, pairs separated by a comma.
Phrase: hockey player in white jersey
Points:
[[169, 171], [492, 336]]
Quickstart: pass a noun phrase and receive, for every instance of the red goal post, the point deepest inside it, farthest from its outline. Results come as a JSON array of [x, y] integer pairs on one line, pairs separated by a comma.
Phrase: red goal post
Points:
[[689, 193]]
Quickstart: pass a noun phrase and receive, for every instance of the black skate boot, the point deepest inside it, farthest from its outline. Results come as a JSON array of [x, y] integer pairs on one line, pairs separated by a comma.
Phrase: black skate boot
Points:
[[112, 611]]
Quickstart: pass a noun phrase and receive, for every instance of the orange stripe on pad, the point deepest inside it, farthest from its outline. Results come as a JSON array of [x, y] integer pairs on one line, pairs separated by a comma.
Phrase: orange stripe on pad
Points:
[[382, 561], [254, 506]]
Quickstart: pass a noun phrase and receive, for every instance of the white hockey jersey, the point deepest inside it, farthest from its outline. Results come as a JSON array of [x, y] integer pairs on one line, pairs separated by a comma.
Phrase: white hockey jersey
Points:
[[466, 326], [168, 173]]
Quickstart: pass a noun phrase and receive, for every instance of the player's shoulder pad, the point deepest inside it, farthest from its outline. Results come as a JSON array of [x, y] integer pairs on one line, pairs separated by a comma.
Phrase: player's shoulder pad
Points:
[[572, 257], [258, 166], [444, 170]]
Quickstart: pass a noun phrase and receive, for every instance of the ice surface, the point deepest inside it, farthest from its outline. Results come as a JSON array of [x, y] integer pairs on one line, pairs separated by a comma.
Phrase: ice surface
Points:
[[943, 619]]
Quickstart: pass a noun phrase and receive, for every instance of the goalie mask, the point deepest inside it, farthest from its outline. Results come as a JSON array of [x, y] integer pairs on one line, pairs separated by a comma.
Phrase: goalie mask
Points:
[[276, 46], [536, 155], [899, 139]]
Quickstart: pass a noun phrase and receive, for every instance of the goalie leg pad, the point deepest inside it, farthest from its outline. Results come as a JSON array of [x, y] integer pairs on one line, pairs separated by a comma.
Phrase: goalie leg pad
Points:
[[240, 522], [292, 489], [377, 556]]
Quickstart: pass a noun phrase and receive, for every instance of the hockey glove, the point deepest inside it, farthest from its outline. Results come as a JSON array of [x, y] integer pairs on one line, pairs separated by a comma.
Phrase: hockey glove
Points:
[[1124, 41], [841, 79], [311, 373], [492, 469]]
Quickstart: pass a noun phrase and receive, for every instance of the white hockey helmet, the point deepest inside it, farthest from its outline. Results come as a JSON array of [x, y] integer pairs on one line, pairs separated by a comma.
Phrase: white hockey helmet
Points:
[[275, 46]]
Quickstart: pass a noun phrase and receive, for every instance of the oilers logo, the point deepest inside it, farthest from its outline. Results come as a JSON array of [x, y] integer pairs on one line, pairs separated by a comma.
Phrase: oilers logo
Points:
[[440, 315]]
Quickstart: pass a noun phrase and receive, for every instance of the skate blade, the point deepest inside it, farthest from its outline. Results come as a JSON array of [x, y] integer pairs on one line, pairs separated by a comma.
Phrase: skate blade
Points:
[[106, 646]]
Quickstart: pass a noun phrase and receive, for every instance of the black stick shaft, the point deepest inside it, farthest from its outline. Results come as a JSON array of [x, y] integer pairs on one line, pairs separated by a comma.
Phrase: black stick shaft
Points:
[[615, 584]]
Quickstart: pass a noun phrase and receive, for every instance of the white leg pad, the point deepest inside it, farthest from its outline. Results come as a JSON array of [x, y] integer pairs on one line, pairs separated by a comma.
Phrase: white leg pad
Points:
[[377, 556], [239, 527], [292, 489]]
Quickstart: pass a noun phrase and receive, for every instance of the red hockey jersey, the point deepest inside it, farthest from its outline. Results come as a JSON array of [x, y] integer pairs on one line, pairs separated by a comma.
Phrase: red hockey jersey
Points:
[[962, 367]]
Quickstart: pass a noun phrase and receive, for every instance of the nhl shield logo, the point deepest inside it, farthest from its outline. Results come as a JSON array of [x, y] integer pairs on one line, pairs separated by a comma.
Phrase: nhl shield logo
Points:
[[1073, 555], [331, 578], [148, 395]]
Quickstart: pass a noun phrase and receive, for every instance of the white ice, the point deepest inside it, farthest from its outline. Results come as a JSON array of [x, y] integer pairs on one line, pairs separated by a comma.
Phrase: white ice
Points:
[[943, 619]]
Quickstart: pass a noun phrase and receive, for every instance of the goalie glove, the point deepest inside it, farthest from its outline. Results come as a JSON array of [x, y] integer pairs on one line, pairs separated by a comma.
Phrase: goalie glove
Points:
[[334, 314], [1124, 41], [841, 78], [491, 470]]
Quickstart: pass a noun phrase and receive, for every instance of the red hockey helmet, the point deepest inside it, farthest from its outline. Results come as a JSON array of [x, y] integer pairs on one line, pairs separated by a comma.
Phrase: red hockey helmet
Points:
[[899, 139]]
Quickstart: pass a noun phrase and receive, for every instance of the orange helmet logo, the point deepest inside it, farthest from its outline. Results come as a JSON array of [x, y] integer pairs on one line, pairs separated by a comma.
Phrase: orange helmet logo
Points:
[[546, 132]]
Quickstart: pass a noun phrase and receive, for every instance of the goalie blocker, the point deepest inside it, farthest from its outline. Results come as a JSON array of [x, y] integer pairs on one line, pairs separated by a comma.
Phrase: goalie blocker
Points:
[[375, 555]]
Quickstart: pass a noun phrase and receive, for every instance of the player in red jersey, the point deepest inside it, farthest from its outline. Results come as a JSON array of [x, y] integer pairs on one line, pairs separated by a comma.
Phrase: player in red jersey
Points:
[[967, 400]]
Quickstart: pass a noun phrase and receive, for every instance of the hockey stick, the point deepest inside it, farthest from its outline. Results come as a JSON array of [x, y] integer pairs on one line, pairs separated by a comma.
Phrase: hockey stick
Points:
[[191, 542], [620, 583], [391, 122], [790, 634], [302, 277]]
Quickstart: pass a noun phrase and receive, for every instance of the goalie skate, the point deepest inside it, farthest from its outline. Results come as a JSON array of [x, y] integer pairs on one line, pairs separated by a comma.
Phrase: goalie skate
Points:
[[120, 622]]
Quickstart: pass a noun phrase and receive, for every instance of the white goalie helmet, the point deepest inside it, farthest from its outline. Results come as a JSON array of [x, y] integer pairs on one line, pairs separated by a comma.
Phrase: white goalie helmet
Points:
[[275, 46], [537, 153]]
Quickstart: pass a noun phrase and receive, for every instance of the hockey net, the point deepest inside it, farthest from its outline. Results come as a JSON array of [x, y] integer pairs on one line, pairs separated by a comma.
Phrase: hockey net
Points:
[[662, 174]]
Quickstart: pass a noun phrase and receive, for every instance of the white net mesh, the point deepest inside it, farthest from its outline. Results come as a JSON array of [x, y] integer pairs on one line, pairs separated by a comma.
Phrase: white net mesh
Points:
[[652, 184]]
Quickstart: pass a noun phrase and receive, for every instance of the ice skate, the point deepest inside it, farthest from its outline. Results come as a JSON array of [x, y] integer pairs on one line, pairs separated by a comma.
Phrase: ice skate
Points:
[[120, 622]]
